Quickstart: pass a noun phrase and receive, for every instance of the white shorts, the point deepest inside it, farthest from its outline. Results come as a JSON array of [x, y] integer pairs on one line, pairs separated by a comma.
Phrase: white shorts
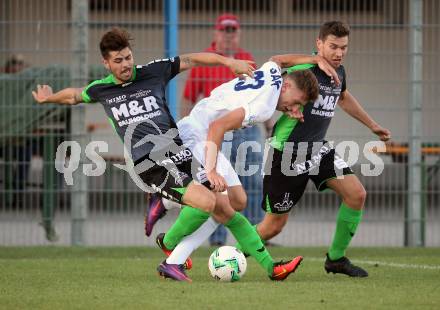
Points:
[[194, 138]]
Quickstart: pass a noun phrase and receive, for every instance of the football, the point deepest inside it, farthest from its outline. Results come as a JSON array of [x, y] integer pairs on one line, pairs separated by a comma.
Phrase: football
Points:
[[227, 264]]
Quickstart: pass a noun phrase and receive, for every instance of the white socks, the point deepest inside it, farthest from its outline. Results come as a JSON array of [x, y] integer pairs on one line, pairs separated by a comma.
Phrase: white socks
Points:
[[188, 244], [168, 204]]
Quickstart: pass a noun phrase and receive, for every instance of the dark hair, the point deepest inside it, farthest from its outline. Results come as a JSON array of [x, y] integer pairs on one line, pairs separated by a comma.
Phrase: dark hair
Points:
[[114, 40], [15, 64], [336, 28], [306, 81]]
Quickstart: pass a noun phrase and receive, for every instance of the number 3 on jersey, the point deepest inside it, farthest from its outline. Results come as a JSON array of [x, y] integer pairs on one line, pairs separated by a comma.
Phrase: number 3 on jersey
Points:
[[254, 84]]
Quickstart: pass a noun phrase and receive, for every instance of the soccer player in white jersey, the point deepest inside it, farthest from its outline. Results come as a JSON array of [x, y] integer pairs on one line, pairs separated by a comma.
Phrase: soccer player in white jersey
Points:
[[233, 105]]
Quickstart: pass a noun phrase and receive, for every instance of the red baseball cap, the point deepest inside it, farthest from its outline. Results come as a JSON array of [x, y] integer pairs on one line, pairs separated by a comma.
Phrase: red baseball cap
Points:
[[227, 20]]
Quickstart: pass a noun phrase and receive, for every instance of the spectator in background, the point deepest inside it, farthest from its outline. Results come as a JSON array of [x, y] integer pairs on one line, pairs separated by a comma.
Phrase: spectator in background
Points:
[[200, 83], [18, 149], [202, 80], [15, 64]]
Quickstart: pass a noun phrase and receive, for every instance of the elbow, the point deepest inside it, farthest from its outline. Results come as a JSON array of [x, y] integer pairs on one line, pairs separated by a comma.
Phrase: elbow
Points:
[[213, 128], [216, 130], [278, 60], [274, 58], [75, 97], [341, 104], [70, 101]]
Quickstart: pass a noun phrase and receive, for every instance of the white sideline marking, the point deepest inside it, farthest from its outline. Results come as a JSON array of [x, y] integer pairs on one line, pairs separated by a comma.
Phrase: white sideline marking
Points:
[[370, 262]]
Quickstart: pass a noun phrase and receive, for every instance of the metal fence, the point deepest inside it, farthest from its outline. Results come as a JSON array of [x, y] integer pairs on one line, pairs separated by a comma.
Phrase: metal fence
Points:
[[392, 68]]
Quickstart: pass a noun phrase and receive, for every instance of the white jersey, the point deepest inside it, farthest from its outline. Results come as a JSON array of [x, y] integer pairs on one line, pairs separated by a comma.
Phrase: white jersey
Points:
[[258, 97]]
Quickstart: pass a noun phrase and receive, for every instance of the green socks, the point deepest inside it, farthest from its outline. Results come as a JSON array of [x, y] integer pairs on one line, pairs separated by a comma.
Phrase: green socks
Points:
[[238, 245], [347, 222], [188, 221], [250, 241]]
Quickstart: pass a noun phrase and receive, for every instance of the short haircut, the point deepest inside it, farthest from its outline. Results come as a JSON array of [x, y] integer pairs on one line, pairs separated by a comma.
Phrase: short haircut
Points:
[[336, 28], [306, 81], [114, 40]]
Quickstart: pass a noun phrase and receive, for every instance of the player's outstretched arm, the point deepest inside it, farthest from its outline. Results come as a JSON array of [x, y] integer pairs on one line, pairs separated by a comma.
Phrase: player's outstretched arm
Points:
[[289, 60], [217, 129], [238, 67], [68, 96], [352, 107]]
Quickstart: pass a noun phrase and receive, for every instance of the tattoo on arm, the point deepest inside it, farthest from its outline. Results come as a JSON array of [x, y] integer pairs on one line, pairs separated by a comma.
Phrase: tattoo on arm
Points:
[[78, 95], [187, 61]]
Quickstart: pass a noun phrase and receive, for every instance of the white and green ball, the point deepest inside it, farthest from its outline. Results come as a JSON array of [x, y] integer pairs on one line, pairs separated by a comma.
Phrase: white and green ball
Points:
[[227, 264]]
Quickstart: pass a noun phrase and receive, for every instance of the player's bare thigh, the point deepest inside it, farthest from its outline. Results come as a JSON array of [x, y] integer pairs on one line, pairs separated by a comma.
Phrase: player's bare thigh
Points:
[[199, 197]]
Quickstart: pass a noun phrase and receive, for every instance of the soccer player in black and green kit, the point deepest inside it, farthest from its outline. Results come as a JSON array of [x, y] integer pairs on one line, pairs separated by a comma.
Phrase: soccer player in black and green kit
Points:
[[133, 98], [312, 157]]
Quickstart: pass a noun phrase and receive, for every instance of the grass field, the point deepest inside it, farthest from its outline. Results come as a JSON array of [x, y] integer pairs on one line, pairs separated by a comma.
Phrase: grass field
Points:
[[125, 278]]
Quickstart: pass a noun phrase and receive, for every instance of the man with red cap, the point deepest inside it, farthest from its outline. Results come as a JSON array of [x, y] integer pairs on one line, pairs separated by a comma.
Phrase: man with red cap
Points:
[[202, 81]]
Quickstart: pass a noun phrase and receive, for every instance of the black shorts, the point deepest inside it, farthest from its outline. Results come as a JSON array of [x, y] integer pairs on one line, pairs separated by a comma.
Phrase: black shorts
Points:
[[282, 191], [171, 177]]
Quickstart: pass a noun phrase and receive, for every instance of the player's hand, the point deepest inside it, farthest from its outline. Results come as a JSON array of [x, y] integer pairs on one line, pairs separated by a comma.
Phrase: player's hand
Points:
[[383, 133], [42, 93], [218, 183], [325, 66], [241, 67], [296, 113]]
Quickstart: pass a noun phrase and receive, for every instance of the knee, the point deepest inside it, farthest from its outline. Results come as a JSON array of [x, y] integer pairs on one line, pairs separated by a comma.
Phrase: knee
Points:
[[357, 198], [207, 202], [239, 203], [210, 205]]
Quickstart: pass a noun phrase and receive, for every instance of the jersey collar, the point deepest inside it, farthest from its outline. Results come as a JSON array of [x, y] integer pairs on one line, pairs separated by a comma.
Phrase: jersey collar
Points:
[[133, 77]]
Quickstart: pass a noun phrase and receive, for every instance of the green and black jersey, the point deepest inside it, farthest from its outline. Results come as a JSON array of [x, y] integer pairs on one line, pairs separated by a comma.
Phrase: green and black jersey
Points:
[[317, 115], [139, 104]]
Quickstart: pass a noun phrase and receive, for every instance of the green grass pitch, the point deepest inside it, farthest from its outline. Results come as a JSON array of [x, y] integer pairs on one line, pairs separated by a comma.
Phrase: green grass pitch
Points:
[[126, 278]]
